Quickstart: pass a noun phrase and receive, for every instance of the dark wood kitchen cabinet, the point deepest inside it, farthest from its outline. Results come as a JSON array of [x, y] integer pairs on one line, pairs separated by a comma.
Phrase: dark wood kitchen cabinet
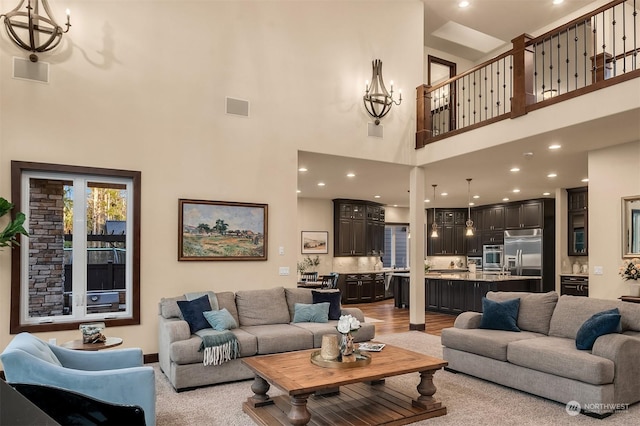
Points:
[[451, 232], [358, 228], [357, 288], [524, 215], [493, 218]]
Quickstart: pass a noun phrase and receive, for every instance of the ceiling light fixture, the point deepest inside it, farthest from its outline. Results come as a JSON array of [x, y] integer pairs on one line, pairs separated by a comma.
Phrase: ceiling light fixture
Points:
[[434, 225], [350, 175], [376, 196], [516, 190], [505, 199], [377, 100], [514, 169], [444, 194], [585, 180], [549, 93], [302, 169], [555, 146], [469, 232], [26, 27], [464, 4], [552, 175], [558, 1], [321, 184], [546, 193]]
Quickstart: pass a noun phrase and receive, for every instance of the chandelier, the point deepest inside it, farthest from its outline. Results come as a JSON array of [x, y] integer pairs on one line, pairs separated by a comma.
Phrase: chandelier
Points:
[[33, 27], [377, 100]]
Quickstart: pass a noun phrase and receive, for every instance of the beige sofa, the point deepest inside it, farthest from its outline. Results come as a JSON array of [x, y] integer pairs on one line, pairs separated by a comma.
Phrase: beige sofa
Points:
[[542, 358], [265, 320]]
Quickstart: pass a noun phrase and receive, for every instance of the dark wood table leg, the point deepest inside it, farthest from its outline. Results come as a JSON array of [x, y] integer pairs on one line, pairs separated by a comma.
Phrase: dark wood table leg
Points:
[[426, 389], [260, 387], [299, 415]]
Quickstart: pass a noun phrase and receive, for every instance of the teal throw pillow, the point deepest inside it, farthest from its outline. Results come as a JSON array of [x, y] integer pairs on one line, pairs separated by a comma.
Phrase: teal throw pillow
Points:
[[333, 297], [500, 315], [192, 312], [220, 320], [599, 324], [316, 312]]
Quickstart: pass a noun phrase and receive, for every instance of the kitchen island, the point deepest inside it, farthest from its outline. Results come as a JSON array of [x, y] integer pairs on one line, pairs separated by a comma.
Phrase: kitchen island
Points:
[[454, 293]]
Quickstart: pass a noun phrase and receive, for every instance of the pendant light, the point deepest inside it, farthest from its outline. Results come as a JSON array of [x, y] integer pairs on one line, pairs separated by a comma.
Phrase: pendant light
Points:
[[434, 225], [469, 223]]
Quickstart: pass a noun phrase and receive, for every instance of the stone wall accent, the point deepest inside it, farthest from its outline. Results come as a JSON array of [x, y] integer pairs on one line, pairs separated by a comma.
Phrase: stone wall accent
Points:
[[46, 247]]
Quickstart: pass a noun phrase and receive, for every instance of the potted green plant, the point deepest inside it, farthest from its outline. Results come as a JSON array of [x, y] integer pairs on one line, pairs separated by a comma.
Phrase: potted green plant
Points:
[[13, 228]]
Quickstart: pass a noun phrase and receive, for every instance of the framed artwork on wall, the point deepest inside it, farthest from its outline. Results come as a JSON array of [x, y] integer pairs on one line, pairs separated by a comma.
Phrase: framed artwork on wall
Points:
[[315, 242], [221, 230]]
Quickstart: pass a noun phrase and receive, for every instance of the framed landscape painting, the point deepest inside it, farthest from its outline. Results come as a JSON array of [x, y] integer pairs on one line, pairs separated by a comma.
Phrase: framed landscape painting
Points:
[[315, 242], [222, 230]]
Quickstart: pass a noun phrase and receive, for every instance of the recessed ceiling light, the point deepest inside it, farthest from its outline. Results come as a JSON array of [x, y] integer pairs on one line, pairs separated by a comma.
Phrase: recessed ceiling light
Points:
[[465, 3], [546, 193], [427, 200], [516, 190], [444, 194], [505, 199], [376, 196], [320, 183], [351, 175], [472, 204], [552, 175], [476, 196], [302, 169], [395, 205], [585, 180], [558, 1], [555, 146], [298, 191], [514, 169]]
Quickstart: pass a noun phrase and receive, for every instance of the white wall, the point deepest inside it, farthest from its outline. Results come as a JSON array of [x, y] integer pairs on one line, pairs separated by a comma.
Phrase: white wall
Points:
[[613, 173], [140, 85]]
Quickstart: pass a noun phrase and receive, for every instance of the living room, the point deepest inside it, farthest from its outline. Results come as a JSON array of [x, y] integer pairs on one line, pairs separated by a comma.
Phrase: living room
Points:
[[141, 86]]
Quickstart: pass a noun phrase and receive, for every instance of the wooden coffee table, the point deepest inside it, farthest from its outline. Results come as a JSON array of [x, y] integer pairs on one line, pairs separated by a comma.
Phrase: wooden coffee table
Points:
[[79, 345], [351, 400]]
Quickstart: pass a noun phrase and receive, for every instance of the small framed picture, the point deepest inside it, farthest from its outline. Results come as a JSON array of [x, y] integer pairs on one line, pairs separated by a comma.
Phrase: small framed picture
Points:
[[315, 242]]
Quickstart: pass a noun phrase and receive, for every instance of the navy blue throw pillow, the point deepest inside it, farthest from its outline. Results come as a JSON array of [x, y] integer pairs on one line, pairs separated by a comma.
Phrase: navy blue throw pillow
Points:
[[500, 315], [192, 312], [599, 324], [333, 297]]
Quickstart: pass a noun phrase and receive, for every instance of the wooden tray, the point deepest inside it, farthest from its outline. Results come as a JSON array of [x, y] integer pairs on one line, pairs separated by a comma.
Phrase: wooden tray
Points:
[[362, 359]]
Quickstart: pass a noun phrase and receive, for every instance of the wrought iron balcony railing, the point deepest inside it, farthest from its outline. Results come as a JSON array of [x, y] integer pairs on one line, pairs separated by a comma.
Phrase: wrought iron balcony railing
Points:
[[594, 51]]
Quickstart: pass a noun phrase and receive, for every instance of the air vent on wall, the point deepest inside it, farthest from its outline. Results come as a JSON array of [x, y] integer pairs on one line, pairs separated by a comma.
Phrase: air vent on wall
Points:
[[24, 69], [375, 131], [237, 106]]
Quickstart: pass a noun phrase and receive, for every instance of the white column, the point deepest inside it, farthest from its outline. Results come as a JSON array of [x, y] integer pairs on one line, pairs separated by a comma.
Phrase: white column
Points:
[[417, 224]]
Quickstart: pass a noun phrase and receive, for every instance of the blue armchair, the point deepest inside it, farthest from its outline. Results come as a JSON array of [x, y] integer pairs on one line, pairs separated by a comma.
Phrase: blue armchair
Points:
[[115, 376]]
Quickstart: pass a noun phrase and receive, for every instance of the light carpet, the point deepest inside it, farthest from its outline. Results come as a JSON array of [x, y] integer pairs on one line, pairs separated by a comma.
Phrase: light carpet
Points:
[[469, 401]]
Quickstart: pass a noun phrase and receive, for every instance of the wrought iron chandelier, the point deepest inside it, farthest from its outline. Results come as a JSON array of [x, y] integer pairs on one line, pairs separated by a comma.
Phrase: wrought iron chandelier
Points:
[[33, 29], [377, 100]]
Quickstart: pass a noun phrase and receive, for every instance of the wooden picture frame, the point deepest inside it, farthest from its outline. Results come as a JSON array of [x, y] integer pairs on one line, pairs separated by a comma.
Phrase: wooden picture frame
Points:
[[314, 242], [222, 230]]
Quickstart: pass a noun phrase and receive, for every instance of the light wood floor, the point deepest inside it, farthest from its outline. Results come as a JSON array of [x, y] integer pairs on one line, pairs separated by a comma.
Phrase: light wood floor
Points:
[[396, 320]]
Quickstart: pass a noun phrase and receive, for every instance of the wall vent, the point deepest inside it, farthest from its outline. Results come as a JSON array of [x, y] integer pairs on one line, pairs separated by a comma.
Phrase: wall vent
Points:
[[24, 69], [375, 131], [237, 106]]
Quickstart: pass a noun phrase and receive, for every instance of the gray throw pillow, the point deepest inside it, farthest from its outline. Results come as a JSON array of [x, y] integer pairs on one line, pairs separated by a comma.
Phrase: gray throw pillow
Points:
[[220, 320], [315, 312]]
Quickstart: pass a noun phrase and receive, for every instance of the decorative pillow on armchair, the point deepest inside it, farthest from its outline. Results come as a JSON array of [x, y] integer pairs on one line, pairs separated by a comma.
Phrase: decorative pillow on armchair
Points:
[[500, 315], [192, 312]]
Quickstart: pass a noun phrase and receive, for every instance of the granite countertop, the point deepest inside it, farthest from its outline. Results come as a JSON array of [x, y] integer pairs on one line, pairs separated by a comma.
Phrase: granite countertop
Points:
[[479, 276], [570, 274]]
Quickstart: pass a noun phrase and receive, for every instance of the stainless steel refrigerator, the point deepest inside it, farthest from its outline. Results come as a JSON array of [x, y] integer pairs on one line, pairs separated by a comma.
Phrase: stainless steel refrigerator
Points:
[[523, 251]]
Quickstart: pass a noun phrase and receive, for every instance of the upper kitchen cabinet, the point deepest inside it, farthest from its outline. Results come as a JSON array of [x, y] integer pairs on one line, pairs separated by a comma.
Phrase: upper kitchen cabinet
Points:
[[358, 228], [451, 230], [492, 218], [578, 221], [528, 214]]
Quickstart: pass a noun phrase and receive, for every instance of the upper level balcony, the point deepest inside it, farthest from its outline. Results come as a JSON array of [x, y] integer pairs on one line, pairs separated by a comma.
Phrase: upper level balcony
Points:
[[595, 51]]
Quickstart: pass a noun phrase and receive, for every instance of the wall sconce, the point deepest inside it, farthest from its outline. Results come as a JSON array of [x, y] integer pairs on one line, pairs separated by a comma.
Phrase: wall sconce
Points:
[[27, 27], [377, 100]]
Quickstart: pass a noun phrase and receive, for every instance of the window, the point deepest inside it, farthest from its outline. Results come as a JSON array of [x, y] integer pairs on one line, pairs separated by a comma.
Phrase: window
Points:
[[81, 261], [396, 246]]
